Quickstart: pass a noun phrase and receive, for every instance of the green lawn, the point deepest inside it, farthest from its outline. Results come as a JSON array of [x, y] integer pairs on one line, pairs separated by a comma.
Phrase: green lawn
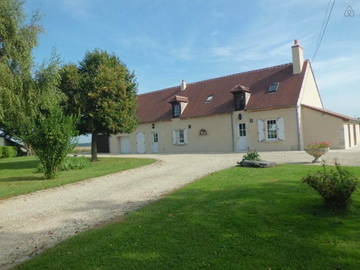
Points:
[[19, 175], [240, 218]]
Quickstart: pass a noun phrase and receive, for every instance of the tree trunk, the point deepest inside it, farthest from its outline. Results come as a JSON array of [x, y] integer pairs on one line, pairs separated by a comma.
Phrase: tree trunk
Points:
[[94, 147]]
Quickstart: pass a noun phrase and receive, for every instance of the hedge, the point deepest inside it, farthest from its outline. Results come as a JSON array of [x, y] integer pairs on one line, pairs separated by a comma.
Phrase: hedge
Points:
[[8, 151]]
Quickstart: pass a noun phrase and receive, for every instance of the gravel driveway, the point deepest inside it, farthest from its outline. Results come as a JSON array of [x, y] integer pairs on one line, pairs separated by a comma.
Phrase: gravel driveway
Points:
[[31, 223]]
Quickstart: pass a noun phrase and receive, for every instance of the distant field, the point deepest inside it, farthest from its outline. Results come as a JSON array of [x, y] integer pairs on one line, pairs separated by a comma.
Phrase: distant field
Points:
[[82, 149]]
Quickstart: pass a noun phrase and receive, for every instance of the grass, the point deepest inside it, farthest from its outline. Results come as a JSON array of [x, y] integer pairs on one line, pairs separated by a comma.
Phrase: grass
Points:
[[19, 175], [240, 218]]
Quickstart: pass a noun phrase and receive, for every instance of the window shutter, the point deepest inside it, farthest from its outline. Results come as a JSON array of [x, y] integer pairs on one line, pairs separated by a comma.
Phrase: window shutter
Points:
[[185, 136], [281, 128], [174, 135], [261, 130]]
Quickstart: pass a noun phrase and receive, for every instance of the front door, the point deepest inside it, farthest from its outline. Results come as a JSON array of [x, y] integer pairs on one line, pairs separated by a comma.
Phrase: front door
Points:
[[242, 143], [140, 143], [155, 142]]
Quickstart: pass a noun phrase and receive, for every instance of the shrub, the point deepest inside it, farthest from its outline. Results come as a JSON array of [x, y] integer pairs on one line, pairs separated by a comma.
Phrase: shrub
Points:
[[52, 138], [318, 145], [335, 185], [252, 155], [71, 163], [8, 151]]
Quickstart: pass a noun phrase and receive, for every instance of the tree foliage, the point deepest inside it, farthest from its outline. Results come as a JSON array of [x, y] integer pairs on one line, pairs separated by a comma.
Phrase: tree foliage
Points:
[[52, 139], [17, 91], [103, 91]]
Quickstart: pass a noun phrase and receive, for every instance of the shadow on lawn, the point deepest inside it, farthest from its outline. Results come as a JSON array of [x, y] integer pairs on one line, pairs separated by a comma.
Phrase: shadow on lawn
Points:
[[15, 164], [274, 224], [22, 178]]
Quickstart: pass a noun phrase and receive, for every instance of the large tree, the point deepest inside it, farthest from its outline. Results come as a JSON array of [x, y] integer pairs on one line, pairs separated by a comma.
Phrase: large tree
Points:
[[103, 91], [18, 37]]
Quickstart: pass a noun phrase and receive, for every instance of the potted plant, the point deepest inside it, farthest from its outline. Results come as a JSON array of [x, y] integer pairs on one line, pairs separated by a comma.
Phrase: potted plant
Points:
[[317, 150]]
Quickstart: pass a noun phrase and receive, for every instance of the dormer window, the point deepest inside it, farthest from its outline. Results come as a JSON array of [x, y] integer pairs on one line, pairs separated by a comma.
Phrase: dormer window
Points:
[[241, 95], [273, 87], [239, 101], [176, 109], [178, 104]]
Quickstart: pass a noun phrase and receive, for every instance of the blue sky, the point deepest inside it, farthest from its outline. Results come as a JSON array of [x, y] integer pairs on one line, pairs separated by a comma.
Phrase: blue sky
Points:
[[167, 41]]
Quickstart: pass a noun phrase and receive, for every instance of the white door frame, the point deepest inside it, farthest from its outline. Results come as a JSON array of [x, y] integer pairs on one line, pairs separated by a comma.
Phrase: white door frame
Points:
[[242, 143], [155, 144]]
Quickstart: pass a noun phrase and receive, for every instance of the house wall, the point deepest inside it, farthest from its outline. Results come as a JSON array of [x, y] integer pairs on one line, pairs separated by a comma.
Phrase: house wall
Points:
[[319, 127], [218, 138], [222, 133], [2, 141], [310, 95], [291, 141]]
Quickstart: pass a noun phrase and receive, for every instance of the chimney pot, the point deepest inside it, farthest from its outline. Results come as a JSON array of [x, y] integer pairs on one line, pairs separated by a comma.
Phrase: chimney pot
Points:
[[183, 85]]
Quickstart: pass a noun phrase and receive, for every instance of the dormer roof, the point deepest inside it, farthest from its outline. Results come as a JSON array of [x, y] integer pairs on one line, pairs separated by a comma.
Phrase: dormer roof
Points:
[[177, 98]]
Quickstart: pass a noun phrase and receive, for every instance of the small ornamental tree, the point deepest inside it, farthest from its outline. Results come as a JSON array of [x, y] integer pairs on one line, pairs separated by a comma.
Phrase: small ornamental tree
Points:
[[103, 91], [52, 138]]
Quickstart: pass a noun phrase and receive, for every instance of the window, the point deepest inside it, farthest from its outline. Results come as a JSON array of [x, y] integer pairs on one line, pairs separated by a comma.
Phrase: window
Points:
[[239, 101], [271, 130], [273, 87], [180, 136], [156, 138], [209, 99], [242, 130], [176, 109]]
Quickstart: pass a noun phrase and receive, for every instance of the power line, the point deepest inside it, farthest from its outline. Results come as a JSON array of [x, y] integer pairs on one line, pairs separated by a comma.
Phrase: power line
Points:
[[324, 26]]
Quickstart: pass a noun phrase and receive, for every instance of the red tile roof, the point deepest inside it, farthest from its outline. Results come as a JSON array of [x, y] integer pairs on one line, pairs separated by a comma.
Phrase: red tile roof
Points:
[[338, 115], [155, 106]]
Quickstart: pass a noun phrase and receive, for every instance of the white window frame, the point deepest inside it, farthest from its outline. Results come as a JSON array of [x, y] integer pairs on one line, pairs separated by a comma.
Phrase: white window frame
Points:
[[267, 130], [178, 138]]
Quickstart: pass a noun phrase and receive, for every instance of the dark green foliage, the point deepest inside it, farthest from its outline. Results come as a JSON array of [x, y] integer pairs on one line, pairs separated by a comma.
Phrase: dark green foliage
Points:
[[252, 155], [8, 151], [17, 40], [71, 163], [335, 185], [52, 138], [103, 91]]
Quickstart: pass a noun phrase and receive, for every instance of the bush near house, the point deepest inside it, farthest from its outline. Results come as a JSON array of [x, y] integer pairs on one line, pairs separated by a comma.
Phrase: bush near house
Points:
[[8, 151], [252, 155], [318, 145], [334, 185]]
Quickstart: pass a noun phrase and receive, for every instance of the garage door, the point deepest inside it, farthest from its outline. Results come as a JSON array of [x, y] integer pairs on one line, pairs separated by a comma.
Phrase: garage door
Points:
[[125, 147], [140, 143]]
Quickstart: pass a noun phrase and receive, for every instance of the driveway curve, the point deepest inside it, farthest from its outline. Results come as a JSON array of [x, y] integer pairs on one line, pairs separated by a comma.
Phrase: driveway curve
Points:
[[34, 222]]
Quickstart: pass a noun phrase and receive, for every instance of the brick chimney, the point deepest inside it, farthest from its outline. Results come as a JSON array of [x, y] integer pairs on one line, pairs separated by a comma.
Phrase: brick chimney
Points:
[[297, 57], [183, 85]]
